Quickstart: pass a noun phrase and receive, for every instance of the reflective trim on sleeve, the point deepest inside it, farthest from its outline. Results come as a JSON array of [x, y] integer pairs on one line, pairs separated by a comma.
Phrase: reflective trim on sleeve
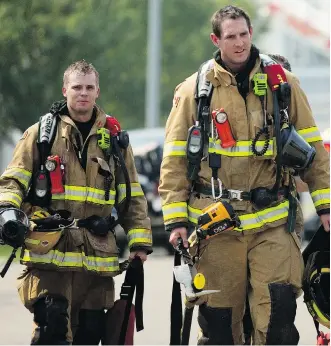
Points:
[[19, 174], [136, 191], [254, 220], [241, 148], [321, 197], [11, 197], [85, 194], [73, 259], [310, 134], [174, 210], [139, 235], [175, 148]]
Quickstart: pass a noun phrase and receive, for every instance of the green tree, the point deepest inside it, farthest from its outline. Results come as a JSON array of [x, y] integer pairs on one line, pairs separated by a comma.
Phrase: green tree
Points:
[[39, 39]]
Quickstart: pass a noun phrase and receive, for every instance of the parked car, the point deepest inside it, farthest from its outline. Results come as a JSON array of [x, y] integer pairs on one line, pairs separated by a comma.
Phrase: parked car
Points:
[[147, 146]]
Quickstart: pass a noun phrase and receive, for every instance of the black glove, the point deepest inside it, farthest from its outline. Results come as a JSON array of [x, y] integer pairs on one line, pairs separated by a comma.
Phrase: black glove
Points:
[[97, 225]]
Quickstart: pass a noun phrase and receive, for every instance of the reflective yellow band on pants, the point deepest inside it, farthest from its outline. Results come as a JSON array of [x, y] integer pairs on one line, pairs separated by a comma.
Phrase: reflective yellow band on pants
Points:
[[241, 148], [321, 197], [85, 194], [251, 221], [310, 134], [136, 191], [73, 259], [174, 210], [11, 198], [21, 175], [139, 235], [175, 148]]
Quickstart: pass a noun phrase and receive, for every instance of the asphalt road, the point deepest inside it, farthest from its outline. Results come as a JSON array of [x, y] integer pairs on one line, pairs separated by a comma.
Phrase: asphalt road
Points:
[[16, 321]]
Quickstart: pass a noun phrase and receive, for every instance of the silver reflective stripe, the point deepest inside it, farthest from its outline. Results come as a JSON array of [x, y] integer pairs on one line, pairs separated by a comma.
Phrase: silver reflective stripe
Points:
[[321, 197], [136, 191], [85, 194], [241, 148], [20, 174], [174, 210], [73, 259], [139, 235], [175, 148], [310, 134], [11, 198]]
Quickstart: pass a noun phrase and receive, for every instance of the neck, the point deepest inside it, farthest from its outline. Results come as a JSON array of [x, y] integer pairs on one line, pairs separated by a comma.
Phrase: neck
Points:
[[80, 117], [235, 68]]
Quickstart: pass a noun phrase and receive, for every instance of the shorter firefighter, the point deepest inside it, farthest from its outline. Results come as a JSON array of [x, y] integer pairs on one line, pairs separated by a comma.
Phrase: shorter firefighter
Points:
[[240, 129], [67, 174]]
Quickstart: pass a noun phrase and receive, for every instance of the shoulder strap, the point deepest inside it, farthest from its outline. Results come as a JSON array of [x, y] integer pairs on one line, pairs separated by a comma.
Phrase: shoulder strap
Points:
[[40, 191]]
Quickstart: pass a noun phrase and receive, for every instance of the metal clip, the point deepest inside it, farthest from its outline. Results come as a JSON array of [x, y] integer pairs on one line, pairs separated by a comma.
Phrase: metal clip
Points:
[[235, 194], [213, 188]]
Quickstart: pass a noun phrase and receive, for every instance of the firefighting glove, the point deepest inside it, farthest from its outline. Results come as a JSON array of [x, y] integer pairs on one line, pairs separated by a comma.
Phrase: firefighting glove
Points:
[[97, 225], [43, 220]]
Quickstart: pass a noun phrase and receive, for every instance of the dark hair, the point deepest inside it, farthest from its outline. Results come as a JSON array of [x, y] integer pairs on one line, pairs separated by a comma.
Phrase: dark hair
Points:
[[281, 60], [227, 12]]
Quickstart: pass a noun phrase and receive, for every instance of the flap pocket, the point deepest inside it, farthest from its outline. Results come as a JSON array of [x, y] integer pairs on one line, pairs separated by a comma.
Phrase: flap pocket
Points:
[[98, 172], [105, 244]]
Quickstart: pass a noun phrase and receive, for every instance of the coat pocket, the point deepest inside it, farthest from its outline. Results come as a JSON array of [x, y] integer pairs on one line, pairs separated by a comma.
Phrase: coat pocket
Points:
[[99, 171], [105, 244]]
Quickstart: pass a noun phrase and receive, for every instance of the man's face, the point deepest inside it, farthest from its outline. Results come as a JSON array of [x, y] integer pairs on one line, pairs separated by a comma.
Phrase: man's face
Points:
[[235, 42], [81, 92]]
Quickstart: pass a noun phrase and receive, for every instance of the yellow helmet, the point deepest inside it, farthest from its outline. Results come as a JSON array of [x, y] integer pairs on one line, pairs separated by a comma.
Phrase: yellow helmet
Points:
[[42, 242]]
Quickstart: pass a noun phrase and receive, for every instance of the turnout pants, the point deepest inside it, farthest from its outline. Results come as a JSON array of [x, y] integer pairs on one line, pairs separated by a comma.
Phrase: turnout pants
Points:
[[71, 302], [269, 266]]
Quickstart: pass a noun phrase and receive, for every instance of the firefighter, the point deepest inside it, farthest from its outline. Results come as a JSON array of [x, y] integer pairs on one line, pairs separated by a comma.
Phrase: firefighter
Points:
[[68, 281], [223, 142]]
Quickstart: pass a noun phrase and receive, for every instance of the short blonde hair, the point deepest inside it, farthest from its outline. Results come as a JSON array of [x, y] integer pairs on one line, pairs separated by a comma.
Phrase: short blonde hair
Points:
[[80, 66]]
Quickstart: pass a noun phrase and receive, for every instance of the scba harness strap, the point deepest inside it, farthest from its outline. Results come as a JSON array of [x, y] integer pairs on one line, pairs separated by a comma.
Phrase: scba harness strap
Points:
[[40, 190]]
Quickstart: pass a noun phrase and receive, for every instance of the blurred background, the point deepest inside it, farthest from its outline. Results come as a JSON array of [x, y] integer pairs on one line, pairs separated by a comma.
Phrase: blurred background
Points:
[[142, 50]]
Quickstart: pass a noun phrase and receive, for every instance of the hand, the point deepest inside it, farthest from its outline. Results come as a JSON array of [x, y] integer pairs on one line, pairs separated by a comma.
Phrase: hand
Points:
[[179, 232], [325, 219], [141, 254]]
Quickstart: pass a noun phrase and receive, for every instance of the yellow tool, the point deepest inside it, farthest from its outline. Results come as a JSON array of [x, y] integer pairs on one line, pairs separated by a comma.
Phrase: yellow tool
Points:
[[216, 218]]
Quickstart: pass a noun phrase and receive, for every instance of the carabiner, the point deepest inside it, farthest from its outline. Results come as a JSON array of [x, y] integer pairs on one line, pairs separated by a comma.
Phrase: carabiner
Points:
[[213, 188]]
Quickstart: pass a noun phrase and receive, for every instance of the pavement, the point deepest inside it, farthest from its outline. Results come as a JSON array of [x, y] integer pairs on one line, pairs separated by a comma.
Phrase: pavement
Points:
[[16, 321]]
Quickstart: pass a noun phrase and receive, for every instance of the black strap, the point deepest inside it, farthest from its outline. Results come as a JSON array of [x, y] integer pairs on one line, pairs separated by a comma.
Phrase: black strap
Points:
[[134, 279], [176, 311], [293, 205], [188, 313]]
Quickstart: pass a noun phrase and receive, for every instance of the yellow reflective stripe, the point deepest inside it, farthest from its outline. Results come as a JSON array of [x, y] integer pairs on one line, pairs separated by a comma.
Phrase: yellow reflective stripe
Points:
[[32, 241], [251, 221], [11, 198], [98, 196], [139, 235], [241, 148], [85, 194], [319, 313], [174, 210], [19, 174], [323, 270], [73, 259], [175, 148], [321, 197], [136, 191], [310, 134]]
